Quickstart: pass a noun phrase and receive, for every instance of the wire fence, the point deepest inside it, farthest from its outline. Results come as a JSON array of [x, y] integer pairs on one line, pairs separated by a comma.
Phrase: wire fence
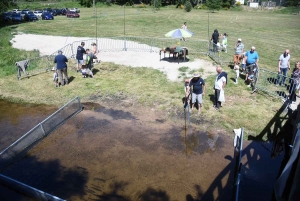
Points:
[[39, 132], [114, 44], [274, 84]]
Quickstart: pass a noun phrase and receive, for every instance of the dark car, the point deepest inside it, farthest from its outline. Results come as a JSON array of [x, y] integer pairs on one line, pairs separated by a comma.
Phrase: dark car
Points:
[[16, 17], [72, 14], [47, 16], [24, 12], [57, 11], [6, 16], [30, 16], [64, 11]]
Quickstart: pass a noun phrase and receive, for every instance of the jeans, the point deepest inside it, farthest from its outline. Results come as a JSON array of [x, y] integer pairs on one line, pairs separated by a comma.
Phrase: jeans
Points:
[[284, 72], [62, 75]]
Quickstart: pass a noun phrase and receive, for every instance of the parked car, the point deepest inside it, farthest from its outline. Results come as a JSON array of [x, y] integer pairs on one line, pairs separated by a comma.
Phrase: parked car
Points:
[[57, 11], [47, 16], [6, 16], [72, 14], [64, 11], [75, 10], [16, 17], [24, 12], [16, 11], [30, 16], [38, 13]]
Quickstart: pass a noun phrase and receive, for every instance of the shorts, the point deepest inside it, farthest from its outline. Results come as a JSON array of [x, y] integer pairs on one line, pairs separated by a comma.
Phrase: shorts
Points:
[[236, 58], [197, 97], [79, 61]]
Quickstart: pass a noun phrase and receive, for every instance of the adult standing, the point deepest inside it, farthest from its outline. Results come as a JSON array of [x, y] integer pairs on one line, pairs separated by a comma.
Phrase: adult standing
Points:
[[295, 82], [283, 67], [61, 67], [79, 56], [239, 50], [95, 52], [215, 38], [219, 87], [251, 61], [184, 27], [198, 89]]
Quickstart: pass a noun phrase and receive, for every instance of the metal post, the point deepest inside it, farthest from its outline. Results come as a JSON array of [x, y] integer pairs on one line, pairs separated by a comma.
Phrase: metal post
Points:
[[208, 30], [125, 49]]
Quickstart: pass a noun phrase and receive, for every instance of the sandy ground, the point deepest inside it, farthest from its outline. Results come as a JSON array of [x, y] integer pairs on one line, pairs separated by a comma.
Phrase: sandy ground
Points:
[[49, 44]]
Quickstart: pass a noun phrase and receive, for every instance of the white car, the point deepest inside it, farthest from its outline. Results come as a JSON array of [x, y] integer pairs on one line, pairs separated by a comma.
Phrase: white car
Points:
[[16, 11], [74, 10], [38, 13]]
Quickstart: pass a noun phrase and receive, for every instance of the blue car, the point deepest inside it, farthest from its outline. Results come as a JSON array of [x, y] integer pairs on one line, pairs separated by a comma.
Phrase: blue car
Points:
[[16, 17], [6, 16], [30, 16], [47, 16]]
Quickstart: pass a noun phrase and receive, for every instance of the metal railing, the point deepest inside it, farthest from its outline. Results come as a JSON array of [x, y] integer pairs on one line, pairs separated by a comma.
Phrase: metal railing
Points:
[[238, 149], [27, 190], [268, 82], [39, 132], [116, 44]]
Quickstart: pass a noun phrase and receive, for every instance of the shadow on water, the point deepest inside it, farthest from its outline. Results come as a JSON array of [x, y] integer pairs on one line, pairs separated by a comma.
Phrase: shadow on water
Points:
[[50, 177]]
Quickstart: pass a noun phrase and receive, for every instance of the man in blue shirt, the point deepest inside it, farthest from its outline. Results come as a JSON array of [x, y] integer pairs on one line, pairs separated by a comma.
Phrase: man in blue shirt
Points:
[[79, 56], [198, 89], [251, 61], [61, 67]]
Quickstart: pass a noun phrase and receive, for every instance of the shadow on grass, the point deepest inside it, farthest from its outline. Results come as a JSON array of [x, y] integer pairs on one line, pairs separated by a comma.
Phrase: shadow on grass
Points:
[[95, 71], [71, 79]]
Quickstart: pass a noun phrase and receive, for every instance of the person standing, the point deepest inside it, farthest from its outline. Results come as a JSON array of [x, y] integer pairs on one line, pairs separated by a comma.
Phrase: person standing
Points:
[[283, 67], [95, 52], [79, 56], [184, 27], [295, 82], [198, 89], [224, 42], [239, 50], [61, 67], [251, 61], [215, 39], [219, 87]]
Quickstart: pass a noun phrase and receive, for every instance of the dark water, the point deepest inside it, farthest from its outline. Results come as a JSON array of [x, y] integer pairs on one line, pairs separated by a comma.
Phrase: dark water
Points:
[[113, 154]]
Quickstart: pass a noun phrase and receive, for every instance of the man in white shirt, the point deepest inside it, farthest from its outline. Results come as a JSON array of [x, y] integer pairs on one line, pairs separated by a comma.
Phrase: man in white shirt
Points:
[[219, 87], [283, 67]]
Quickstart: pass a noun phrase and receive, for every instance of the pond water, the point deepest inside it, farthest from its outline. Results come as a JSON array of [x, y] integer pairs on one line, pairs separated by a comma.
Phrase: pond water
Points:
[[129, 154]]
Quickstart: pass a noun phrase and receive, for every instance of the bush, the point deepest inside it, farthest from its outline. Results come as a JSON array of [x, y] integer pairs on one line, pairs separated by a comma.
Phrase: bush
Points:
[[238, 3], [188, 6]]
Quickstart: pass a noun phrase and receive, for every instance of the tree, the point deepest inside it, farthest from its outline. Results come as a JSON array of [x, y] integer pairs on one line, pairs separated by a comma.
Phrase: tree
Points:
[[188, 6], [86, 3], [6, 4], [214, 4]]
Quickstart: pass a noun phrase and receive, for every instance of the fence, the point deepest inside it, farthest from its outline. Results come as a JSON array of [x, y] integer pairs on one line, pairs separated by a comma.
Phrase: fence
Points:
[[39, 132], [115, 44], [219, 54], [267, 82], [238, 148]]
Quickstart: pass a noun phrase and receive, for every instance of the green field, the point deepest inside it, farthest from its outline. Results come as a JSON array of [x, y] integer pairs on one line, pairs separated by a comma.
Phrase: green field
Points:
[[269, 31]]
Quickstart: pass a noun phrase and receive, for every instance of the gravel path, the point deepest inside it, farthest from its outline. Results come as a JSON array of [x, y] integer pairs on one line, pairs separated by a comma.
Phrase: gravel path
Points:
[[50, 44]]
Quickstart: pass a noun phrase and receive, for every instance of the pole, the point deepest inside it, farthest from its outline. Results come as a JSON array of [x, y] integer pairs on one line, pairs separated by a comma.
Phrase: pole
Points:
[[125, 49], [208, 29]]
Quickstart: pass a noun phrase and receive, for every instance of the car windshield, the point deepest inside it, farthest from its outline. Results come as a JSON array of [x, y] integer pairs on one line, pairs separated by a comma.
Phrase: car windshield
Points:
[[46, 13], [16, 14], [30, 13]]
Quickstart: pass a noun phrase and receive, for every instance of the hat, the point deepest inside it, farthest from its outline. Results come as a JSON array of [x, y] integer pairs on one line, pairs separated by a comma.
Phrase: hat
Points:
[[196, 74], [59, 51], [239, 39], [187, 80]]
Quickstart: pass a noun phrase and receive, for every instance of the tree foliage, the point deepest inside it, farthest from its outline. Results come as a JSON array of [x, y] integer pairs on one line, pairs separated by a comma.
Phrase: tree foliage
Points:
[[214, 4], [6, 5], [86, 3], [188, 6]]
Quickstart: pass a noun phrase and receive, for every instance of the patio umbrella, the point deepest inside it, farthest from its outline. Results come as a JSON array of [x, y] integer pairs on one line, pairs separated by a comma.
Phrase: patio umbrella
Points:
[[179, 33]]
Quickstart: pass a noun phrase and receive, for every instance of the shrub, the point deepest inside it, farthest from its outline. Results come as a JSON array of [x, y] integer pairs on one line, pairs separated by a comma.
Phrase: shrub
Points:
[[188, 6], [238, 3]]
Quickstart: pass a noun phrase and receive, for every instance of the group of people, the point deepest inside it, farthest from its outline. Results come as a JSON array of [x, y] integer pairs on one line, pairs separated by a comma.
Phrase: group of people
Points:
[[195, 89], [60, 76], [215, 38]]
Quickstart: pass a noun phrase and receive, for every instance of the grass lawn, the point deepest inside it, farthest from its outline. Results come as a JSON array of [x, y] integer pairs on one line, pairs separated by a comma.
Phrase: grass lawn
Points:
[[270, 32]]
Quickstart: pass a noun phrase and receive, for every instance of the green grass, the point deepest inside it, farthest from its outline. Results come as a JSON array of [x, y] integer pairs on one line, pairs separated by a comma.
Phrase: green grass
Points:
[[270, 32]]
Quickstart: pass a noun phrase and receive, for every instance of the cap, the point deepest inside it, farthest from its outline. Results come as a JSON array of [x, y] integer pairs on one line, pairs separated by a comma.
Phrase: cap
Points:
[[196, 74], [239, 39]]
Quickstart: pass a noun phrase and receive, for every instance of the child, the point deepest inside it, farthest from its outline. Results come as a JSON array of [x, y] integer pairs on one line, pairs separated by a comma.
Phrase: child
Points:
[[55, 78], [86, 72], [186, 86]]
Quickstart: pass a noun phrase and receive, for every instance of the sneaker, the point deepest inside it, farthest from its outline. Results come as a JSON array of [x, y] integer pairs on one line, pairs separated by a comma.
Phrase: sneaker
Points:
[[248, 85], [277, 85]]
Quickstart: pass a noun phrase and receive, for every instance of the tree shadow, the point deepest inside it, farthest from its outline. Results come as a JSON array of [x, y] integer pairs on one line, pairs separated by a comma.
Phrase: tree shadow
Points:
[[152, 194], [50, 177], [113, 194]]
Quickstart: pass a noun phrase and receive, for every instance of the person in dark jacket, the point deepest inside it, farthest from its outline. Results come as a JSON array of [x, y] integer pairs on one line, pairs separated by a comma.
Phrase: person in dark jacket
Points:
[[215, 39], [61, 67]]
